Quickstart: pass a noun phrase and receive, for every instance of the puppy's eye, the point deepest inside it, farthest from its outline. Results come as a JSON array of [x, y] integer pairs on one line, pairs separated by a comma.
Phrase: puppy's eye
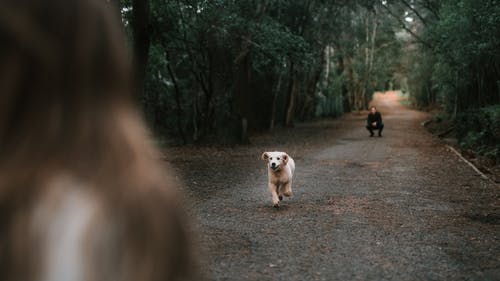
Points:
[[270, 158], [278, 158]]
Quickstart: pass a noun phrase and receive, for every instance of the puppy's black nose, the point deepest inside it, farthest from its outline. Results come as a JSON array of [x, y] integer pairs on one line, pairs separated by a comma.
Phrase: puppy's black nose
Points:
[[273, 165]]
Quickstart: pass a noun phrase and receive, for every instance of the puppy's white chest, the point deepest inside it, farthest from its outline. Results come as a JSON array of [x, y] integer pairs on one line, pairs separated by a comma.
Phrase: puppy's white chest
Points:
[[281, 176]]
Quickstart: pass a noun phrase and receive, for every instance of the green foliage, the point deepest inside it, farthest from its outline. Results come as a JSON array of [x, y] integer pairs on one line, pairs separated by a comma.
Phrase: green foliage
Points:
[[456, 67], [270, 40], [368, 43], [462, 55], [215, 65], [439, 117], [480, 130]]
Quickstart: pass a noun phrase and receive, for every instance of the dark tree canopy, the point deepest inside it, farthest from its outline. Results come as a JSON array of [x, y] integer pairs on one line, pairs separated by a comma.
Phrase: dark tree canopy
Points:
[[219, 70]]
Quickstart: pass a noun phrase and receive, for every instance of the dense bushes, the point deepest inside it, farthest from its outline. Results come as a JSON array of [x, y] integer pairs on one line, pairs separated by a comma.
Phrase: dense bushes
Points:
[[479, 130]]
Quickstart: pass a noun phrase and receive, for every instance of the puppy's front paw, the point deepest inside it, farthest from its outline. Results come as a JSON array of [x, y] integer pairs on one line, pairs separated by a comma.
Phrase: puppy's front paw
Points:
[[288, 193], [276, 204]]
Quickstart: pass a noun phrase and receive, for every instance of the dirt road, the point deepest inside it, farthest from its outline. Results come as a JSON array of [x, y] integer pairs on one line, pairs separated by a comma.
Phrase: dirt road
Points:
[[400, 207]]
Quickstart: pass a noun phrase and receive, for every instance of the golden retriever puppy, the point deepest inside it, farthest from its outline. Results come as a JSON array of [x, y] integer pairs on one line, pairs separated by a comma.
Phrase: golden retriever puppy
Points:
[[280, 168]]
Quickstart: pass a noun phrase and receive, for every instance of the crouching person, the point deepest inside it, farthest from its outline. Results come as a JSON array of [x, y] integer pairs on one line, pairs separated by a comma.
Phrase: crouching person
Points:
[[374, 121]]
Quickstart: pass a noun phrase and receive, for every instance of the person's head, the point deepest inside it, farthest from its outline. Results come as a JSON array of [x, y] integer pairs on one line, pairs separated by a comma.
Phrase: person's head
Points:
[[373, 109], [66, 108]]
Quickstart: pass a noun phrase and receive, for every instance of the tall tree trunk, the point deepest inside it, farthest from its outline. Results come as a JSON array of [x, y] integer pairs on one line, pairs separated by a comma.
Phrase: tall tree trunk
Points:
[[351, 84], [326, 59], [370, 60], [480, 84], [140, 29], [209, 94], [455, 108], [366, 74], [291, 97], [178, 95], [275, 99], [346, 105], [242, 98], [196, 133]]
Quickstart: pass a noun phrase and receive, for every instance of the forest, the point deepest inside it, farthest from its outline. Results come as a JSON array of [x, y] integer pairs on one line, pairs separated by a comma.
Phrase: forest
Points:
[[218, 71]]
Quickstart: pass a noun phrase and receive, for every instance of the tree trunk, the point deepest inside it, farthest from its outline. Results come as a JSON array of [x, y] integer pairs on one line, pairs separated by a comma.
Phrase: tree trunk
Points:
[[455, 109], [140, 22], [291, 97], [177, 101], [196, 133], [365, 74], [275, 99], [370, 60], [346, 106], [242, 110], [326, 57]]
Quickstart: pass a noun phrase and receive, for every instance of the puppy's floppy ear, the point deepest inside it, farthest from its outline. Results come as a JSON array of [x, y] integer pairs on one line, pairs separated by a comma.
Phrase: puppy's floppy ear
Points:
[[265, 156], [285, 158]]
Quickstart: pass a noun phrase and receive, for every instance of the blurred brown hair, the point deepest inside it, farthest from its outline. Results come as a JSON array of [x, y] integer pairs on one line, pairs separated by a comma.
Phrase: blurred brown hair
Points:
[[66, 111]]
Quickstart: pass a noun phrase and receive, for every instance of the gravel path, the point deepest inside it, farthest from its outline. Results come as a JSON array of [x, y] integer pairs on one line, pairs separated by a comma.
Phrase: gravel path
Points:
[[400, 207]]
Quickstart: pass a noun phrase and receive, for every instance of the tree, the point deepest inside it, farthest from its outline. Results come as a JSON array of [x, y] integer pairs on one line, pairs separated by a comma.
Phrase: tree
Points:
[[221, 69]]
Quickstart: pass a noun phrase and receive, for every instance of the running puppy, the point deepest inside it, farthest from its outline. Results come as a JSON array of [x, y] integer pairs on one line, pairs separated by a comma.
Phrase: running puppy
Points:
[[280, 170]]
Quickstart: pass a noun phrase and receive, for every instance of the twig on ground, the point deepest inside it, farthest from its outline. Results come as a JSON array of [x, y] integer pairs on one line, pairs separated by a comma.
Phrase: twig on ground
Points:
[[425, 123], [470, 164]]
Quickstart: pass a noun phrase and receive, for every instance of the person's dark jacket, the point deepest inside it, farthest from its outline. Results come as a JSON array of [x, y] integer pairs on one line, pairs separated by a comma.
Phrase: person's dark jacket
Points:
[[377, 117]]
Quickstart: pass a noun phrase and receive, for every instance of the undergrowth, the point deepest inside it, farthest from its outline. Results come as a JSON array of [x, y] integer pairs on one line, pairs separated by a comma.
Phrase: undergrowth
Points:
[[479, 130]]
